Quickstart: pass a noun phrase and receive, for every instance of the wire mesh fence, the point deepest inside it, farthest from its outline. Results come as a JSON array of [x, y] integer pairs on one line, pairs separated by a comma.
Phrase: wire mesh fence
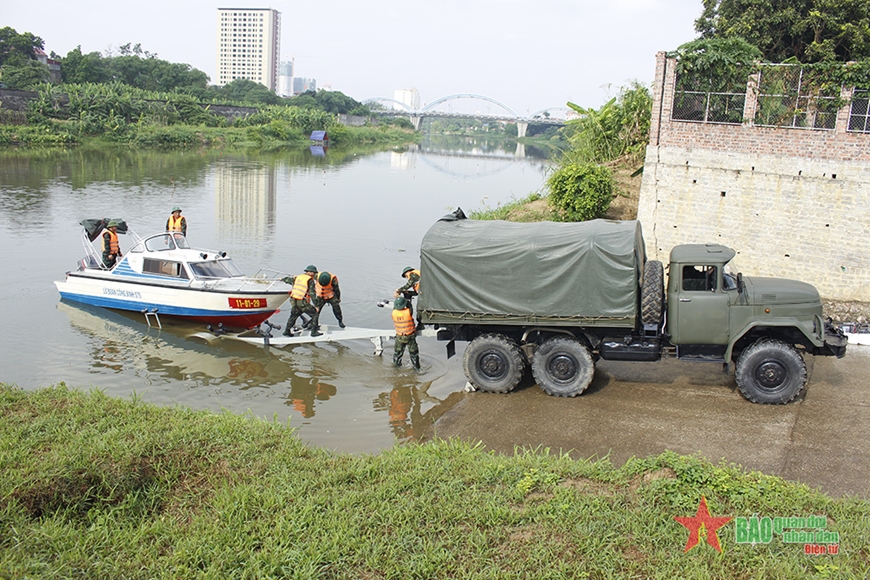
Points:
[[708, 107], [788, 96], [859, 111]]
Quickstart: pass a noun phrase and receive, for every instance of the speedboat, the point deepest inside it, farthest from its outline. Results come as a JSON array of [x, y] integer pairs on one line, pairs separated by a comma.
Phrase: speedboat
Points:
[[161, 275]]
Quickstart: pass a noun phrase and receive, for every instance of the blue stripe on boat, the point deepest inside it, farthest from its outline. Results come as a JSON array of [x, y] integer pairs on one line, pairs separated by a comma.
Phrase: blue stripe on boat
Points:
[[134, 306]]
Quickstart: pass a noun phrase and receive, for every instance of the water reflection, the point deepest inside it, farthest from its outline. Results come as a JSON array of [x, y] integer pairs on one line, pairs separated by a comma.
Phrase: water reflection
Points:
[[123, 343], [360, 214], [245, 203]]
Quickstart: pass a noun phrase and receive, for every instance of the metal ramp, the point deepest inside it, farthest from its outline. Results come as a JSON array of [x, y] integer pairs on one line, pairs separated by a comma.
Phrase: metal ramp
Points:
[[328, 334]]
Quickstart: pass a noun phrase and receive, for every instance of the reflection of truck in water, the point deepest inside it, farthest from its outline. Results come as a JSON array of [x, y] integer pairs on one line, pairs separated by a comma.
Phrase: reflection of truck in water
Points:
[[561, 295]]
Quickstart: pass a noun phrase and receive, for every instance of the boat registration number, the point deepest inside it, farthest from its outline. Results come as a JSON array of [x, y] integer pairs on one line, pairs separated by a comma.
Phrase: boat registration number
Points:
[[247, 302]]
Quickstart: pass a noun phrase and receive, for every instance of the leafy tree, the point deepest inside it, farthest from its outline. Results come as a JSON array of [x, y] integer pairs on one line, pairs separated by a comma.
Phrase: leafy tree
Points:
[[19, 68], [248, 91], [80, 68], [304, 100], [336, 102], [17, 48], [29, 75], [715, 64], [803, 30]]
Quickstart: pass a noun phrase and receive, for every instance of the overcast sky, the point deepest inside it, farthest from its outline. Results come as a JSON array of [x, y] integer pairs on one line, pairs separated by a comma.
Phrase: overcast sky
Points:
[[529, 54]]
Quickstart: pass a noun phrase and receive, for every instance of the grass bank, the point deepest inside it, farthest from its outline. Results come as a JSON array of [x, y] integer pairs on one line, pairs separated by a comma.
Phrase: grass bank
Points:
[[534, 207], [96, 487], [269, 135]]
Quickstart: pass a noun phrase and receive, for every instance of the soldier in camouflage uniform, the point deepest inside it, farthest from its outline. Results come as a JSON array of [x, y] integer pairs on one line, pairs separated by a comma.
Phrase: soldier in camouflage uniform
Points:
[[406, 333], [410, 289], [304, 288], [328, 292]]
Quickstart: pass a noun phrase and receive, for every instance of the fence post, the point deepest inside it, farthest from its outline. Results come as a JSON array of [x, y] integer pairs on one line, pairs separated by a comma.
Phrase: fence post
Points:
[[750, 103]]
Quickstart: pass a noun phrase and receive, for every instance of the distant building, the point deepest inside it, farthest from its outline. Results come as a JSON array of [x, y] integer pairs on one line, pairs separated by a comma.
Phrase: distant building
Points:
[[53, 65], [408, 97], [248, 41], [285, 78], [301, 85]]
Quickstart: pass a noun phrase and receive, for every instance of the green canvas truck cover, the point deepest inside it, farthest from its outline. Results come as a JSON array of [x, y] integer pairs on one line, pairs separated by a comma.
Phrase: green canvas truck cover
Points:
[[485, 271]]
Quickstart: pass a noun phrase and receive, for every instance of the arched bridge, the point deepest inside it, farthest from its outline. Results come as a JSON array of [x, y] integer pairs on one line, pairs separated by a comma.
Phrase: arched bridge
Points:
[[548, 116]]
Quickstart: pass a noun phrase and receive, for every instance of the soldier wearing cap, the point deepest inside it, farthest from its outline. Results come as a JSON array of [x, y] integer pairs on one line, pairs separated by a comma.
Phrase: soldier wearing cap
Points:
[[304, 289], [176, 222], [410, 289], [111, 246]]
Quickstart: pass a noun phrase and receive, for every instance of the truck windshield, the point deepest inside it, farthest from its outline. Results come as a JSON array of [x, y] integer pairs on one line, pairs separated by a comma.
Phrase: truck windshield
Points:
[[729, 278]]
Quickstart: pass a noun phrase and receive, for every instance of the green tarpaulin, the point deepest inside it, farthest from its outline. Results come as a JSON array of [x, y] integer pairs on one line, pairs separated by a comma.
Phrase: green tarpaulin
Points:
[[555, 273]]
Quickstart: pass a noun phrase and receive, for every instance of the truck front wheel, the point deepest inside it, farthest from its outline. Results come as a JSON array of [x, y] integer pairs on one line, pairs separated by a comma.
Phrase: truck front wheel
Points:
[[493, 363], [563, 367], [770, 372]]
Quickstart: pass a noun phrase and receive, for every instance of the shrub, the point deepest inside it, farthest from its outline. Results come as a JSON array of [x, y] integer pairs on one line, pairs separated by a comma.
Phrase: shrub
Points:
[[580, 191]]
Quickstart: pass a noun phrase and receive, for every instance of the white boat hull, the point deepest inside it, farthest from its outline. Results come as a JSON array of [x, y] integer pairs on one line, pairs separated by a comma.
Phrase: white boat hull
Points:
[[241, 307]]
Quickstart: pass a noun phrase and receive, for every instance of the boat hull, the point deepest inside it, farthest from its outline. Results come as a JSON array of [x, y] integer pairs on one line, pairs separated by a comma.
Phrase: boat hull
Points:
[[232, 308]]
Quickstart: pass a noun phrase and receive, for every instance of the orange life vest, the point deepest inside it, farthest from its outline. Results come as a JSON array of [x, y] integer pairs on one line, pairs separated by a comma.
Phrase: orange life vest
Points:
[[114, 246], [403, 322], [174, 224], [325, 292], [416, 286], [300, 287]]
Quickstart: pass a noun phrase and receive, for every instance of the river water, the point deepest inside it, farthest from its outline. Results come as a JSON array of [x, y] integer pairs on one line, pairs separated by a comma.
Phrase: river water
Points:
[[358, 215]]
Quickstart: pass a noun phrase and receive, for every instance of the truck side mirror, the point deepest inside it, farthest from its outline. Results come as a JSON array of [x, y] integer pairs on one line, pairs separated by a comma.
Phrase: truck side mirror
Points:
[[741, 287]]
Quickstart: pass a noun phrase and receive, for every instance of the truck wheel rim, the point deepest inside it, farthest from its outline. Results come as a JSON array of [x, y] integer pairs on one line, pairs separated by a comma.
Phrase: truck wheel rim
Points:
[[493, 365], [562, 367], [770, 375]]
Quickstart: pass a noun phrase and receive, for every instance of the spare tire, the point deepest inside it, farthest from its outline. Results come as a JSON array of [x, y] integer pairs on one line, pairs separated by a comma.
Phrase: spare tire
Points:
[[652, 298]]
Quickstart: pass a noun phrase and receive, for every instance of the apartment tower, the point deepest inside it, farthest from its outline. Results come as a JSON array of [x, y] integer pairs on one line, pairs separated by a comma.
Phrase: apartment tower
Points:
[[249, 40]]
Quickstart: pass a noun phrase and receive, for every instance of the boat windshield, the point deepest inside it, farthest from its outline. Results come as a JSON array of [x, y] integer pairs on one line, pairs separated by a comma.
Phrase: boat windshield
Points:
[[161, 243], [217, 269], [181, 241]]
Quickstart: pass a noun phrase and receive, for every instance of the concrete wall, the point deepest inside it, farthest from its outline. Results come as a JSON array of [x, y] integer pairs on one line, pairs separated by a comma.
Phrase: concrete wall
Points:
[[793, 203]]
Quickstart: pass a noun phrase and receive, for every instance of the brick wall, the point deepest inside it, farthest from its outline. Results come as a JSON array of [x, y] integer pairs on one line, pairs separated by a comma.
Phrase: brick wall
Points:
[[793, 203]]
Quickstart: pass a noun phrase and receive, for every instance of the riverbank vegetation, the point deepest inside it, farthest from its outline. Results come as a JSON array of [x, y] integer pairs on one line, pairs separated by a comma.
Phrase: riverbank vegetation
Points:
[[137, 99], [96, 487]]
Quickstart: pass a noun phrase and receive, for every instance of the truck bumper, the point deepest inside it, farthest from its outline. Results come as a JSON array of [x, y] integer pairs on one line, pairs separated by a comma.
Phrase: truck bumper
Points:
[[835, 342]]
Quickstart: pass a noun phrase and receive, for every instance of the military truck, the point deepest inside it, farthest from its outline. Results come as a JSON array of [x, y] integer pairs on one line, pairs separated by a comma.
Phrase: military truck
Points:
[[559, 296]]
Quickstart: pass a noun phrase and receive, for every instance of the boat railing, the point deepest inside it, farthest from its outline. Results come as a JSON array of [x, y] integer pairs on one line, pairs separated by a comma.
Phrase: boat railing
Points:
[[264, 280], [93, 257]]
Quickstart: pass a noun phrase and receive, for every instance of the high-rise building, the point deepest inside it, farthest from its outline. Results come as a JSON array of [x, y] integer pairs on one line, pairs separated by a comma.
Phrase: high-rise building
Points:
[[285, 78], [248, 43], [302, 85], [408, 97]]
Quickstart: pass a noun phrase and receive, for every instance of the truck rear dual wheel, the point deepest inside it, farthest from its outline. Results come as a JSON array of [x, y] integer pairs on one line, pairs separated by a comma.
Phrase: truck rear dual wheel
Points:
[[770, 372], [493, 363], [563, 367]]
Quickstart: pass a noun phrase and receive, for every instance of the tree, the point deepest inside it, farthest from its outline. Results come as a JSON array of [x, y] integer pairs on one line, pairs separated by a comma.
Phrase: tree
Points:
[[19, 68], [248, 91], [803, 30], [80, 68], [16, 48]]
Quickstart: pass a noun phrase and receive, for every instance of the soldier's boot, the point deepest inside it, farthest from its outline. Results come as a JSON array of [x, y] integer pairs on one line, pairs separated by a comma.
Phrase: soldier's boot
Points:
[[340, 323], [288, 330], [397, 360], [415, 361], [316, 331]]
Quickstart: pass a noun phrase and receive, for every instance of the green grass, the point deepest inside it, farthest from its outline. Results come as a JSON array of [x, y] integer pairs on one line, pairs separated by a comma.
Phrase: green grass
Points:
[[96, 487], [518, 210]]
